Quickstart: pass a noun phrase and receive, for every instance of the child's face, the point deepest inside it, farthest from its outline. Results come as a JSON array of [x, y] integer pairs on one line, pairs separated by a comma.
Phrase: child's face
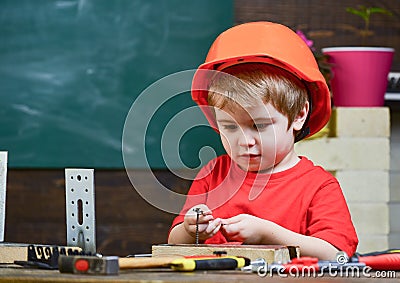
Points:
[[257, 138]]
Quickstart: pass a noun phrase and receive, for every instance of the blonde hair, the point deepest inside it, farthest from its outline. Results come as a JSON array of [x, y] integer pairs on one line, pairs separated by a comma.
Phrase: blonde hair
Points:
[[248, 83]]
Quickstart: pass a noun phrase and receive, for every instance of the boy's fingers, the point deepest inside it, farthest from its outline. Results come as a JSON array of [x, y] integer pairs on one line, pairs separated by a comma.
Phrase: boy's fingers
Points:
[[232, 220], [217, 228], [202, 228], [224, 221], [192, 218], [206, 218], [229, 228], [201, 208], [228, 221], [213, 225]]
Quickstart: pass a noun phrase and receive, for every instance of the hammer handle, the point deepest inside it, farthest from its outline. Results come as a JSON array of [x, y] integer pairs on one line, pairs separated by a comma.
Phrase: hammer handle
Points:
[[145, 262]]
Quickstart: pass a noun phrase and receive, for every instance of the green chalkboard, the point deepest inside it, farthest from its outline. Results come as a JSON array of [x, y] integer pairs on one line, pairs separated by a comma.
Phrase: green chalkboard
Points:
[[71, 69]]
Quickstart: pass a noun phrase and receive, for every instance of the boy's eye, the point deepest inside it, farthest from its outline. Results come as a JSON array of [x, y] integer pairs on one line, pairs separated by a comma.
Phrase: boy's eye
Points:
[[261, 126], [230, 127]]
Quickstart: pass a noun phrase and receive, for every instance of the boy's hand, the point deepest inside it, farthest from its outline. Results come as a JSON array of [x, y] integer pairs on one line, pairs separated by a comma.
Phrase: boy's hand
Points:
[[243, 228], [208, 226]]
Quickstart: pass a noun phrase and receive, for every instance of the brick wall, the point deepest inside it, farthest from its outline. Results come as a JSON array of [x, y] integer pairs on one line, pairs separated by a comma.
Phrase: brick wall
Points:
[[394, 203], [357, 152]]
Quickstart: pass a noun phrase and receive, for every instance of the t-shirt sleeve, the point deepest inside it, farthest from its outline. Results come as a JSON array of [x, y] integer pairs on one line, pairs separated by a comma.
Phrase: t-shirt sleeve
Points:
[[329, 218]]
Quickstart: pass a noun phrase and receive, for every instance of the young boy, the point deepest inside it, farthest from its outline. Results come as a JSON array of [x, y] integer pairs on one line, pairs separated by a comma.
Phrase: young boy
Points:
[[262, 91]]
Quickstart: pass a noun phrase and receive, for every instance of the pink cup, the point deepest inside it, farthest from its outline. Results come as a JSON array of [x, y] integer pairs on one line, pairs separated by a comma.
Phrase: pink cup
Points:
[[360, 75]]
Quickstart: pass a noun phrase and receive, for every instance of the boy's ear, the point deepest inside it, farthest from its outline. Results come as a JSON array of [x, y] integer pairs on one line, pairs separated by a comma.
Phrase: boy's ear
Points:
[[301, 117]]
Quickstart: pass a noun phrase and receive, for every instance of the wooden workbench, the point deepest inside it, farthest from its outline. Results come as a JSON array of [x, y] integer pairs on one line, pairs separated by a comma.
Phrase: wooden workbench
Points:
[[16, 274]]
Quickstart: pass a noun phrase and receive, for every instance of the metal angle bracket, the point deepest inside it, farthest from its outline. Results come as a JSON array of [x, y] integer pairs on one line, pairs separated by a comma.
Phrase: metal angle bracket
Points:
[[80, 209], [3, 186]]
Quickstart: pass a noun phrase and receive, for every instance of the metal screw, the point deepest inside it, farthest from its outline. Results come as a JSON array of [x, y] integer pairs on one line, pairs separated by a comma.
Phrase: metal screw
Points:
[[198, 212]]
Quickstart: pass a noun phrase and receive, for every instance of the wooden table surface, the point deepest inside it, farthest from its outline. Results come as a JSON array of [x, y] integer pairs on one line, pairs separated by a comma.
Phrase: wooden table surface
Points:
[[16, 274]]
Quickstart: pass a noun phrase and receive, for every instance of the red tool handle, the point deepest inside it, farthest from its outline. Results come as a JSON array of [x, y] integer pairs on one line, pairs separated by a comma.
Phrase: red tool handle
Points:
[[382, 262], [302, 263]]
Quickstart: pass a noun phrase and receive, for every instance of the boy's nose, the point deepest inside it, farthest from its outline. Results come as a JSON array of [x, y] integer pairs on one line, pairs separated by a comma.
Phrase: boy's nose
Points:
[[247, 139]]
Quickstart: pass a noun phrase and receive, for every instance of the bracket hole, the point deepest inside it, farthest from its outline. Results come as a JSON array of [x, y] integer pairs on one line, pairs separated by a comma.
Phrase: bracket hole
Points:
[[79, 177], [80, 211], [85, 177], [87, 239], [73, 239], [73, 227]]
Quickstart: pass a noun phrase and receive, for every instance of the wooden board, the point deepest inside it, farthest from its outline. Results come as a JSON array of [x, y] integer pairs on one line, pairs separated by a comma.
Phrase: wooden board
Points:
[[10, 252], [270, 253]]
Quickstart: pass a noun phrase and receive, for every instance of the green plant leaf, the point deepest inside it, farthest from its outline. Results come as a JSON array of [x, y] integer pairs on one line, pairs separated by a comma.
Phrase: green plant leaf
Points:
[[380, 10], [361, 12], [365, 13]]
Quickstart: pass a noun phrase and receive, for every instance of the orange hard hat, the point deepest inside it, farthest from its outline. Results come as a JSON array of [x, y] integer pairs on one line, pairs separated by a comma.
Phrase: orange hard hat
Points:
[[273, 44]]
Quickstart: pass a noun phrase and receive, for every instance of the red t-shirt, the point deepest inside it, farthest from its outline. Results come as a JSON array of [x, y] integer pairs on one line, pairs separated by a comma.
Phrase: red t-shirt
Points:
[[305, 199]]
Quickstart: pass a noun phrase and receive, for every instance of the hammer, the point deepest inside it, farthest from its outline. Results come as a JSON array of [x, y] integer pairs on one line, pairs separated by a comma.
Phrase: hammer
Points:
[[110, 265]]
